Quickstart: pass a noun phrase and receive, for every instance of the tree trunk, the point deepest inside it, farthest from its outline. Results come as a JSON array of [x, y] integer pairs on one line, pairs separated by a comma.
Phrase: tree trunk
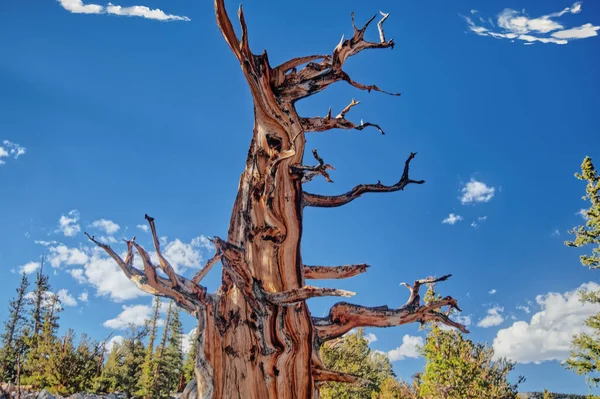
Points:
[[256, 337]]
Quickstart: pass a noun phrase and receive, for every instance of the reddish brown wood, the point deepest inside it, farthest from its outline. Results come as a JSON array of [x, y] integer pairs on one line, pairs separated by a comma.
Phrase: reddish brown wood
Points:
[[257, 338]]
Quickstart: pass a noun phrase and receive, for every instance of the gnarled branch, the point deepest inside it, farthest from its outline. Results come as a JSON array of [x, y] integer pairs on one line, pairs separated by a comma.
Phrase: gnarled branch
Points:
[[304, 293], [321, 375], [330, 201], [333, 272], [309, 172], [321, 124], [241, 49], [344, 316], [188, 295], [315, 77]]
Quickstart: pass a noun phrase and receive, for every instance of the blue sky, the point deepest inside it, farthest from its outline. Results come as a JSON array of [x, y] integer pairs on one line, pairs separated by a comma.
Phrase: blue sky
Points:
[[109, 113]]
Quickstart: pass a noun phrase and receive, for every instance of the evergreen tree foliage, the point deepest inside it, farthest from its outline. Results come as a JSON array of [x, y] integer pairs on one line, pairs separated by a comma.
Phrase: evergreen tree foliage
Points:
[[585, 357], [149, 366], [14, 333], [190, 359], [351, 354], [111, 379], [133, 357]]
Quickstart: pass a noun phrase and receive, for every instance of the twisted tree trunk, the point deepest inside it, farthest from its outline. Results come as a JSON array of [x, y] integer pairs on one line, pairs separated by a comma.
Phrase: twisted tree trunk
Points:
[[256, 337]]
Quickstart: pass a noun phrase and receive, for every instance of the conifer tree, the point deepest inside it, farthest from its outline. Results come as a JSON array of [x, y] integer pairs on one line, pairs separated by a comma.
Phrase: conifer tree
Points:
[[174, 352], [585, 357], [547, 395], [351, 355], [132, 360], [111, 378], [39, 296], [149, 366], [190, 358], [457, 367], [13, 333]]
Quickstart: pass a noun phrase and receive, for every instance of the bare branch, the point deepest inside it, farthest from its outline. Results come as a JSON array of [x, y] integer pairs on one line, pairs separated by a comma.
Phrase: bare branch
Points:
[[320, 124], [164, 264], [315, 77], [310, 172], [304, 293], [240, 48], [329, 201], [343, 316], [335, 272], [200, 274], [321, 375]]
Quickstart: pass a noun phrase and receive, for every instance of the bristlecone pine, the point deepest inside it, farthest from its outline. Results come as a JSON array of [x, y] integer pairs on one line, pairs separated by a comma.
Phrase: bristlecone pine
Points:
[[257, 338]]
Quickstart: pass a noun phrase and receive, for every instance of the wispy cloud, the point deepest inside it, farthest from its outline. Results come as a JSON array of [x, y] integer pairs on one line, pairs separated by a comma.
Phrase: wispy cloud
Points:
[[518, 25], [108, 226], [476, 192], [492, 291], [8, 149], [78, 7], [452, 219]]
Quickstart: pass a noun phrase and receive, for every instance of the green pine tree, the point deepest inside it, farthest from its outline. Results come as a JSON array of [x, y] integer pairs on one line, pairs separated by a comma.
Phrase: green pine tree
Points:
[[149, 366], [190, 359], [351, 354], [134, 354], [456, 367], [111, 378], [585, 357], [173, 354], [14, 332]]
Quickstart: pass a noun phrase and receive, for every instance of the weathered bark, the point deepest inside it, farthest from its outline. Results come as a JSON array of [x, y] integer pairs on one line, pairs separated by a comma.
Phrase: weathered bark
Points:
[[256, 337]]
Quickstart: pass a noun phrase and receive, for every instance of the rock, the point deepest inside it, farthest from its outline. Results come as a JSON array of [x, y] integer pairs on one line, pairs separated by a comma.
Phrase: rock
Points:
[[44, 394], [76, 396], [110, 396]]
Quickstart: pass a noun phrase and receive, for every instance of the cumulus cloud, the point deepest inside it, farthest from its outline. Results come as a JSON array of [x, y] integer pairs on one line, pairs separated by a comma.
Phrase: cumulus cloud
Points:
[[30, 267], [65, 298], [108, 279], [476, 192], [108, 226], [61, 255], [69, 224], [452, 219], [135, 314], [78, 275], [78, 7], [548, 335], [408, 349], [494, 318], [518, 25], [143, 227], [8, 149], [492, 291]]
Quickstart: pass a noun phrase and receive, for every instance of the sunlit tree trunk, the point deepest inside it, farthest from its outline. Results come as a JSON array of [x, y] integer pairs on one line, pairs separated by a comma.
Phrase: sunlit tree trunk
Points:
[[256, 337]]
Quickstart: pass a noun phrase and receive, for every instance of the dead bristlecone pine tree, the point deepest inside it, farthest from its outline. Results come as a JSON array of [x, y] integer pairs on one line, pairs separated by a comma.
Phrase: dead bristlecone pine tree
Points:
[[257, 338]]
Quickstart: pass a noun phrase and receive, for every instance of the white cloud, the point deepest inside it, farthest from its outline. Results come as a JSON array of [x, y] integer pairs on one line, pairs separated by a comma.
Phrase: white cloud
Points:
[[77, 7], [46, 243], [452, 219], [517, 25], [135, 314], [62, 255], [108, 226], [78, 274], [66, 299], [105, 275], [492, 291], [475, 191], [183, 255], [370, 337], [582, 213], [408, 349], [555, 233], [547, 336], [9, 149], [68, 224], [493, 318], [30, 267], [83, 297], [143, 227]]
